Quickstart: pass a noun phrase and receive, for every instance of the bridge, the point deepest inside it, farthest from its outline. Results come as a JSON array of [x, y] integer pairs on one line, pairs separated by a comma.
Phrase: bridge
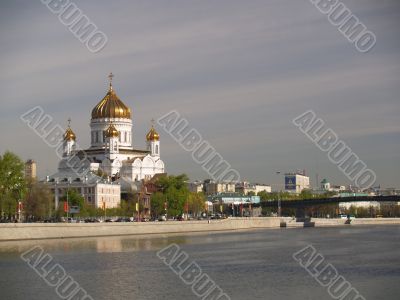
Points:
[[322, 201]]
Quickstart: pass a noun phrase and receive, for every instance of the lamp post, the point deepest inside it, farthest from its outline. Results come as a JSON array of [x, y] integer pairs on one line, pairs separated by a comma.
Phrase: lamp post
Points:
[[166, 207], [282, 223], [68, 183], [279, 198]]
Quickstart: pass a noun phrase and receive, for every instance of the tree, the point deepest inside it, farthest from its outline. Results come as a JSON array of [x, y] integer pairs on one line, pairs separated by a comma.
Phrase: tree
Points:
[[264, 196], [306, 194], [39, 202], [174, 191], [76, 199], [196, 203], [157, 204], [12, 183]]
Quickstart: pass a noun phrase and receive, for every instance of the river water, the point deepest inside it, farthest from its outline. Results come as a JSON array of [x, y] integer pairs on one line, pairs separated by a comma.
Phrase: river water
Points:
[[254, 264]]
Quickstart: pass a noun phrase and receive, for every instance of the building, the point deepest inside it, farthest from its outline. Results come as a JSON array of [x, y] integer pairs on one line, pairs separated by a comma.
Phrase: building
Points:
[[245, 188], [263, 188], [96, 190], [296, 182], [144, 203], [233, 198], [111, 154], [30, 169], [327, 187], [234, 204], [212, 187], [195, 187], [364, 204], [111, 150]]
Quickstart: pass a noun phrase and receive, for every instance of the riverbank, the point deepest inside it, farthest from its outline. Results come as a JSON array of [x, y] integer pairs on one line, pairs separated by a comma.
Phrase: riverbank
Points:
[[32, 231]]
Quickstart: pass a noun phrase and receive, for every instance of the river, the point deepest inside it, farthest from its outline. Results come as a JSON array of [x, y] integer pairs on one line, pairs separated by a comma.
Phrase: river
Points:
[[256, 264]]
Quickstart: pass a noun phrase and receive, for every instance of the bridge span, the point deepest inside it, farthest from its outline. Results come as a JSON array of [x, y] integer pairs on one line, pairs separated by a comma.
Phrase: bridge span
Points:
[[332, 200]]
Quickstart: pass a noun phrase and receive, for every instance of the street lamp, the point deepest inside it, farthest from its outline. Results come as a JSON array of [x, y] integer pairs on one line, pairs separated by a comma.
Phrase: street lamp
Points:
[[68, 183], [279, 198]]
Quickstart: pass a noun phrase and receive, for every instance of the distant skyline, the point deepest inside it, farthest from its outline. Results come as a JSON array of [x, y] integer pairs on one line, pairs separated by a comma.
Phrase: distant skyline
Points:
[[238, 71]]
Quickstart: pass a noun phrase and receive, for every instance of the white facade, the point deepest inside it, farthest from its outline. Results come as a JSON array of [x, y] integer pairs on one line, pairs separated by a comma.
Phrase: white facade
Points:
[[212, 187], [263, 187], [326, 186], [296, 182], [95, 190], [364, 204], [195, 187], [111, 153], [99, 126], [246, 187], [115, 155]]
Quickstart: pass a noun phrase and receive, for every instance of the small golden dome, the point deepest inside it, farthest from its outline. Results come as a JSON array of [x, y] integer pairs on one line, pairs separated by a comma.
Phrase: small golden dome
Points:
[[152, 135], [111, 106], [112, 131], [69, 135]]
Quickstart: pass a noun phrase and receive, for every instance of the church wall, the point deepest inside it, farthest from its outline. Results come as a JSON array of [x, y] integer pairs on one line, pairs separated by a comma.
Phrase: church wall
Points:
[[98, 126]]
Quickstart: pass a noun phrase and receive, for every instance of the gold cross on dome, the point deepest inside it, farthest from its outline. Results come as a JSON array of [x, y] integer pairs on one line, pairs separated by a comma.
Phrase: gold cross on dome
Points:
[[111, 76], [69, 122], [152, 122]]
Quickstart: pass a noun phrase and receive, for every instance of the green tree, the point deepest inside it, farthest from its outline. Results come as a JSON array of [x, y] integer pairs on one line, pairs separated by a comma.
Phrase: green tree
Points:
[[12, 183], [76, 199], [157, 204], [39, 202], [306, 194], [196, 203], [264, 196], [174, 191]]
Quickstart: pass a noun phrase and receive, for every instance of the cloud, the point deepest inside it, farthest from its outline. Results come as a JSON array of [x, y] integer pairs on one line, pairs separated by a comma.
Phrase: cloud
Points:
[[239, 72]]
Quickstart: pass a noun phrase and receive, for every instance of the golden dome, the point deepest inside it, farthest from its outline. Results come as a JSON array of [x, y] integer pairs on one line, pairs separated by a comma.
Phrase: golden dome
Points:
[[69, 135], [111, 106], [112, 131], [152, 135]]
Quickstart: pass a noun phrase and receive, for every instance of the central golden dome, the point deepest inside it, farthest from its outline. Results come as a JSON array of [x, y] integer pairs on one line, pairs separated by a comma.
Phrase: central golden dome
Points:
[[111, 107]]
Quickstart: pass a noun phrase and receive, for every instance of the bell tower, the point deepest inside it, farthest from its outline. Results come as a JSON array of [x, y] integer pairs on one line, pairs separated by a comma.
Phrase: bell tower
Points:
[[69, 144], [153, 141], [112, 141]]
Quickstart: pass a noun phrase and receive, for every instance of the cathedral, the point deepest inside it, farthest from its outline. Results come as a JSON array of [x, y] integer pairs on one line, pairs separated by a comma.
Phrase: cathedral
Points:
[[111, 154], [112, 149]]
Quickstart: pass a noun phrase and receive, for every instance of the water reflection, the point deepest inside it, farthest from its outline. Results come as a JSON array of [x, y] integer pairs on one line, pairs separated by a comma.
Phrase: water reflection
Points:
[[255, 264]]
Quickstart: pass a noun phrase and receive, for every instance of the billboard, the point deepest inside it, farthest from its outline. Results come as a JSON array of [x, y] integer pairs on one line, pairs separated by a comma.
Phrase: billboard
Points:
[[74, 210], [290, 182]]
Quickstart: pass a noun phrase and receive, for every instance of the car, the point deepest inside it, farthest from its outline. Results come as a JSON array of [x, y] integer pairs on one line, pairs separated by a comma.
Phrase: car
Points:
[[91, 220], [123, 220], [162, 218]]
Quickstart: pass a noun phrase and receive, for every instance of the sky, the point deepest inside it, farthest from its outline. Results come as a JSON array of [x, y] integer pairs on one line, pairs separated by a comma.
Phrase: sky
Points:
[[238, 71]]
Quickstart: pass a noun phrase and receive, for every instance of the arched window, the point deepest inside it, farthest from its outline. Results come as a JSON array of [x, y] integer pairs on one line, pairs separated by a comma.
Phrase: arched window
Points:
[[156, 149]]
